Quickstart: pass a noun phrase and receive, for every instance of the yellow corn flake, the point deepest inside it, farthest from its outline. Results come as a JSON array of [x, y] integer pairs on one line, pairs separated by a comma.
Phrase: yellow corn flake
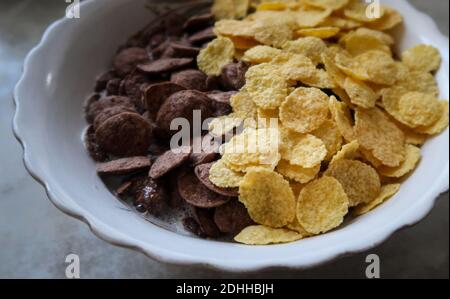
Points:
[[419, 81], [349, 151], [223, 9], [224, 125], [359, 180], [253, 147], [411, 137], [328, 4], [304, 110], [266, 86], [243, 43], [303, 150], [329, 133], [297, 173], [389, 20], [311, 47], [234, 28], [275, 36], [294, 67], [319, 78], [222, 176], [241, 8], [412, 158], [297, 227], [380, 67], [369, 158], [215, 56], [230, 9], [419, 109], [309, 16], [273, 18], [342, 117], [376, 133], [333, 71], [387, 191], [264, 235], [243, 105], [358, 43], [343, 97], [359, 12], [440, 125], [322, 205], [360, 94], [320, 32], [380, 35], [423, 58], [268, 198], [350, 67], [260, 54], [412, 109], [344, 24], [271, 6]]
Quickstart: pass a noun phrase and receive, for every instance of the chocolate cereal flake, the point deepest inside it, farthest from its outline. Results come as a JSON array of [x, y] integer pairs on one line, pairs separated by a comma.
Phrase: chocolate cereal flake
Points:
[[125, 134], [196, 194], [164, 65], [123, 166], [168, 161]]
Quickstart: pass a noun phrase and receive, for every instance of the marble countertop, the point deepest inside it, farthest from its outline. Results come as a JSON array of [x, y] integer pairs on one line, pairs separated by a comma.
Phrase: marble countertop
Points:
[[35, 237]]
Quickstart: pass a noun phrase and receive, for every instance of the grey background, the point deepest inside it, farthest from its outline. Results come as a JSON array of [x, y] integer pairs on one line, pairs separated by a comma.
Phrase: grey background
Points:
[[35, 237]]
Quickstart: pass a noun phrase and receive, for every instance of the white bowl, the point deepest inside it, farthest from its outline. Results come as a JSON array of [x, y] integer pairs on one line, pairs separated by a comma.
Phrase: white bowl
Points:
[[59, 74]]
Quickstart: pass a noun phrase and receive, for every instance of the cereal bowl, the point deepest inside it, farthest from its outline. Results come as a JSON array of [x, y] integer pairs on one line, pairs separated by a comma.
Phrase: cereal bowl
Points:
[[49, 123]]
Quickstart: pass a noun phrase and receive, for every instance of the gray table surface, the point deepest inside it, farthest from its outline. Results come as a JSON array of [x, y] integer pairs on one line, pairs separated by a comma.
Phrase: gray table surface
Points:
[[35, 237]]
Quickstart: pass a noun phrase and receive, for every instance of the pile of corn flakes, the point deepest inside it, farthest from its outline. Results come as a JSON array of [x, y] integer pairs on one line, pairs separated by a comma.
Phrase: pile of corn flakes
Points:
[[350, 116]]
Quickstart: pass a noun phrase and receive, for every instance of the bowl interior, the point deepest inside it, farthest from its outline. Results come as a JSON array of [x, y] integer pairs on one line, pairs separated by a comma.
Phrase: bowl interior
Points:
[[51, 120]]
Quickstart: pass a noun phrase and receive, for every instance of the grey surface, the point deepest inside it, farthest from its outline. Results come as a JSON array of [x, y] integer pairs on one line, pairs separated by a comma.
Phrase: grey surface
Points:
[[35, 237]]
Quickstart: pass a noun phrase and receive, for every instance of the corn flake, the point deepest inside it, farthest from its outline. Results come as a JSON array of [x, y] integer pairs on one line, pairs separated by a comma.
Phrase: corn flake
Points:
[[303, 150], [387, 191], [412, 158], [342, 117], [349, 151], [304, 110], [359, 180], [322, 205], [440, 125], [264, 235], [376, 133], [311, 47], [309, 16], [320, 32], [260, 54], [215, 56], [268, 198], [222, 176], [329, 133], [389, 20], [266, 86], [297, 173], [423, 58], [360, 93]]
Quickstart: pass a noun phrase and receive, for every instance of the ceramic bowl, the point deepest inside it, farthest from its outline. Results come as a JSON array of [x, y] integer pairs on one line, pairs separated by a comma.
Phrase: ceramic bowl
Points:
[[49, 123]]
